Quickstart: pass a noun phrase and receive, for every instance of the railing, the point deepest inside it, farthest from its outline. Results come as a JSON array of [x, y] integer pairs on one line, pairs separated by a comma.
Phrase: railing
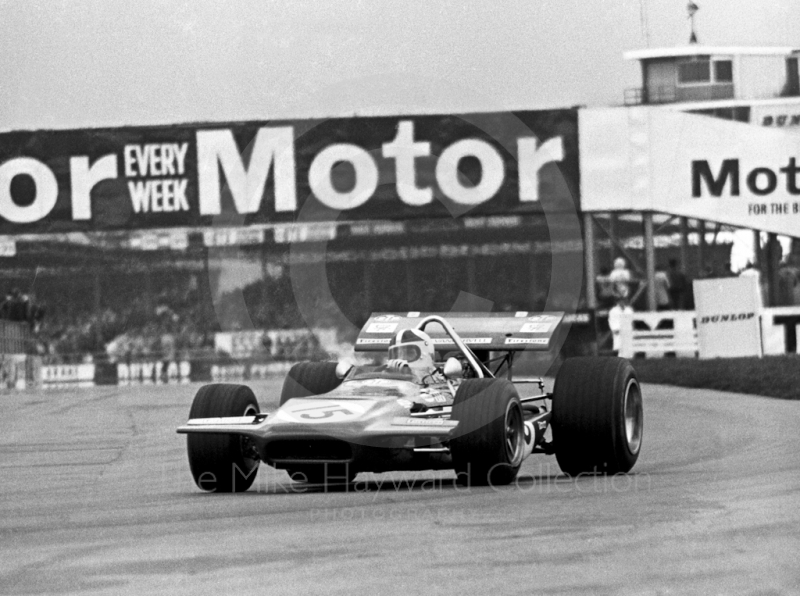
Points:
[[659, 94]]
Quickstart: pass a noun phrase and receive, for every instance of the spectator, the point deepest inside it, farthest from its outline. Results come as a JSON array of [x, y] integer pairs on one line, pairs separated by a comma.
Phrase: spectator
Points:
[[678, 285], [18, 310], [621, 279], [787, 284], [605, 289], [5, 307], [615, 320], [750, 269], [662, 289]]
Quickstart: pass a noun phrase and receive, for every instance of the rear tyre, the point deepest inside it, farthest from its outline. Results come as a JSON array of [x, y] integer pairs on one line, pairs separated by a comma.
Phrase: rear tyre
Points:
[[597, 416], [307, 379], [490, 441], [222, 463]]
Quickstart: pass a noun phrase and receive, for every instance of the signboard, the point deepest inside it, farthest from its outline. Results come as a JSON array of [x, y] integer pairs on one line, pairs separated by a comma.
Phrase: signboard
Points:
[[781, 327], [658, 334], [777, 115], [728, 317], [265, 172], [652, 159]]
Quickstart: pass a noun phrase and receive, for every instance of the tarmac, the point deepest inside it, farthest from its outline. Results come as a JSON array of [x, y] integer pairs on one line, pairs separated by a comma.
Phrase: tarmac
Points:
[[97, 498]]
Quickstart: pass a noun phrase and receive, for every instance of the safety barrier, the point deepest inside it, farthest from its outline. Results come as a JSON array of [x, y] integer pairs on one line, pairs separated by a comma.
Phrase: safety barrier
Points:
[[674, 333], [658, 334], [158, 372]]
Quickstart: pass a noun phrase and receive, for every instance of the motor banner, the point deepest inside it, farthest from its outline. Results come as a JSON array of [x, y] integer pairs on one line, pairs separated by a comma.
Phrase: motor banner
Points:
[[258, 172], [654, 159], [728, 317]]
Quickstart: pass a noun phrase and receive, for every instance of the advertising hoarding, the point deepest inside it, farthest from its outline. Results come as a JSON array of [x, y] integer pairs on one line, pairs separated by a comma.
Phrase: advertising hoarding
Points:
[[728, 317], [652, 159], [268, 172]]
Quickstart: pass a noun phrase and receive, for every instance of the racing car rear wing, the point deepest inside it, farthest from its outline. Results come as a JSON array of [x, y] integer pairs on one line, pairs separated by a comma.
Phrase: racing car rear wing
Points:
[[506, 332]]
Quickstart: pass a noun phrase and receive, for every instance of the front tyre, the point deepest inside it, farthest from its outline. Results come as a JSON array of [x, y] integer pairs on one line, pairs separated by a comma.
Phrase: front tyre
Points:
[[307, 379], [222, 463], [489, 445], [598, 417]]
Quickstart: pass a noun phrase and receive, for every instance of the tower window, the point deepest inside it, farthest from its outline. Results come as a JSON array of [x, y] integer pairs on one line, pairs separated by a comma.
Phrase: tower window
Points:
[[723, 71], [696, 71]]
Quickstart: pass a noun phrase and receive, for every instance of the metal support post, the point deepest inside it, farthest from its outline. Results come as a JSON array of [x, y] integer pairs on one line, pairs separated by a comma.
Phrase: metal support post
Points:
[[590, 266], [650, 260], [701, 248], [684, 244], [613, 221]]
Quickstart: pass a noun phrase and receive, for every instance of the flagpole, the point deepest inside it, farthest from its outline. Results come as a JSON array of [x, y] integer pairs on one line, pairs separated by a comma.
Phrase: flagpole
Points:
[[692, 8]]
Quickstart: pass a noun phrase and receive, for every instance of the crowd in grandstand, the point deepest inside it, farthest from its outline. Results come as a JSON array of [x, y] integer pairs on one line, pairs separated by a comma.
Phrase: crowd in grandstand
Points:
[[176, 324], [180, 319]]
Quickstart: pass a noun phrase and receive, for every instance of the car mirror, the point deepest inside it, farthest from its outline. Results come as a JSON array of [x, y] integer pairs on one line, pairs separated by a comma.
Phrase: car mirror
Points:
[[452, 369], [342, 368]]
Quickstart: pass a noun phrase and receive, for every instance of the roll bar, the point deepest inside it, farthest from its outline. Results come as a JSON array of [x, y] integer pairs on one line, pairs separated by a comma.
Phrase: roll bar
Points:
[[479, 369]]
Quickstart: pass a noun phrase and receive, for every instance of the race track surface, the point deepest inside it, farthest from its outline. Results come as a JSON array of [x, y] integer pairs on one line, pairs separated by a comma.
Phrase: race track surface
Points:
[[96, 497]]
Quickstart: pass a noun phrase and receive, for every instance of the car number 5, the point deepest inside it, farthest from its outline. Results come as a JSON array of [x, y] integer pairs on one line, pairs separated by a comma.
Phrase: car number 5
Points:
[[324, 413]]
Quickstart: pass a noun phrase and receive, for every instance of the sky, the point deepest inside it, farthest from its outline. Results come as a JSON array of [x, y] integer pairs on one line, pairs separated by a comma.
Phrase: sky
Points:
[[88, 63]]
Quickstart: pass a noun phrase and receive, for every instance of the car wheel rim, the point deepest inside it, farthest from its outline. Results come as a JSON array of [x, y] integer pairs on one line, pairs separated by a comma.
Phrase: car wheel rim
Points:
[[249, 452], [632, 408], [515, 434]]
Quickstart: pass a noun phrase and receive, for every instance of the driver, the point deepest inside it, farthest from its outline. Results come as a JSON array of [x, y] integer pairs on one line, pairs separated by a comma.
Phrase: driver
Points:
[[412, 348]]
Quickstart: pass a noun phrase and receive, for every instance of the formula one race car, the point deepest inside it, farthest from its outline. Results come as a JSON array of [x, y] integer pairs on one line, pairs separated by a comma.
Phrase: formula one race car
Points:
[[418, 411]]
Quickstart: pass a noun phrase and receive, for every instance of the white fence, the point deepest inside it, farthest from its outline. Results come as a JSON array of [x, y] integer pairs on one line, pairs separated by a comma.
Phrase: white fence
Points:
[[674, 333]]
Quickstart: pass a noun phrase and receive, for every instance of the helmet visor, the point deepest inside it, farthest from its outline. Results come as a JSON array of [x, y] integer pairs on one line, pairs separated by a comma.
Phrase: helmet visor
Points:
[[407, 352]]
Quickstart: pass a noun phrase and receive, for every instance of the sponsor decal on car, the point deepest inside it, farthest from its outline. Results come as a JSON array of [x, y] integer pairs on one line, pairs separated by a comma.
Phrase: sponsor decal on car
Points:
[[381, 328], [521, 314], [369, 340], [466, 340], [386, 318], [541, 318], [413, 314], [408, 421], [527, 340], [535, 328]]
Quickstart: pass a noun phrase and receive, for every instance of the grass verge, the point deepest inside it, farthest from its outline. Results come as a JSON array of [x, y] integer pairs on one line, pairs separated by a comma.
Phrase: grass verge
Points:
[[772, 376]]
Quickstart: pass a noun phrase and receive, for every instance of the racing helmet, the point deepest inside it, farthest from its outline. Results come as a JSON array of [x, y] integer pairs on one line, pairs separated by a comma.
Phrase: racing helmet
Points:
[[412, 345]]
